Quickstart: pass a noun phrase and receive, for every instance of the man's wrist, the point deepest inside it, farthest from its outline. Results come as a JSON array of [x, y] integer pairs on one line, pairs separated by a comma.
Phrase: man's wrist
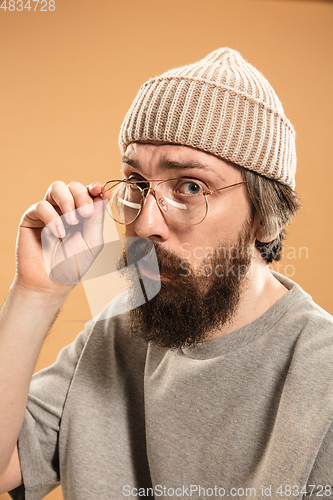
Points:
[[54, 296]]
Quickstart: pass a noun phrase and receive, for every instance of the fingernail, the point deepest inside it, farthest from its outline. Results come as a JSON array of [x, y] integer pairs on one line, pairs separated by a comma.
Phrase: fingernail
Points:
[[86, 210], [71, 217], [61, 233]]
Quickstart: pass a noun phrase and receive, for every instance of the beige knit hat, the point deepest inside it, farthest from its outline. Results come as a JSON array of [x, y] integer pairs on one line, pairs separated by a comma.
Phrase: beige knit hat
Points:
[[221, 105]]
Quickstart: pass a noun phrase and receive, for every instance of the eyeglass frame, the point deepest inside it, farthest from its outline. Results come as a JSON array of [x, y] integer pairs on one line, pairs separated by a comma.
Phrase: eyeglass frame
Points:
[[153, 190]]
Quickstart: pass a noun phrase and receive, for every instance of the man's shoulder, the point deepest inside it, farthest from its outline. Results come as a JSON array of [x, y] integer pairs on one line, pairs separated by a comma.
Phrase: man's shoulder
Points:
[[302, 301], [312, 313], [305, 316]]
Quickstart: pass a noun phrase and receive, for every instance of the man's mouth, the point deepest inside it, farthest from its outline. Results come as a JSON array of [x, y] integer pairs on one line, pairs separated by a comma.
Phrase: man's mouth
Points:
[[151, 271], [151, 261]]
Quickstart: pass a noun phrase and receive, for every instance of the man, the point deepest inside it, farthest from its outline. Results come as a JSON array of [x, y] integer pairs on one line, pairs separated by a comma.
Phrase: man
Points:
[[221, 384]]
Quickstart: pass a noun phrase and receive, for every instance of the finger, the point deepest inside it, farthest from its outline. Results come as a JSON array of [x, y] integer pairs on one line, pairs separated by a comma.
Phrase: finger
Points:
[[60, 196], [82, 199], [95, 189], [43, 214], [70, 198]]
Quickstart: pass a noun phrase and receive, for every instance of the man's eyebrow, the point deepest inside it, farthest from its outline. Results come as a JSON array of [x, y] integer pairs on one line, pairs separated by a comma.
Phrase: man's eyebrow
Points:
[[169, 164], [179, 165], [130, 161]]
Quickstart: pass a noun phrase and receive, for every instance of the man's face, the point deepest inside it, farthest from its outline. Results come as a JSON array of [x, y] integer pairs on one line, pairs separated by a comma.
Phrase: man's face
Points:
[[202, 267]]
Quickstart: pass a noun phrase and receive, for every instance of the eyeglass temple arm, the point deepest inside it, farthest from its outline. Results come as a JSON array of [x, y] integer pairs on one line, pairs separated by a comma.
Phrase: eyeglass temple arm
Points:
[[225, 187]]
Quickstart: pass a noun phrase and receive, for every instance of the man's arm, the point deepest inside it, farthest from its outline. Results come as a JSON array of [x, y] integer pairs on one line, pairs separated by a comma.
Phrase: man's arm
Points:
[[32, 304], [25, 319], [12, 478]]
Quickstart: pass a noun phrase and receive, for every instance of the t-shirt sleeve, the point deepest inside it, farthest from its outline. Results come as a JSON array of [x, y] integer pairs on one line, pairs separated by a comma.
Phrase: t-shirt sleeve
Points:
[[322, 471], [38, 439]]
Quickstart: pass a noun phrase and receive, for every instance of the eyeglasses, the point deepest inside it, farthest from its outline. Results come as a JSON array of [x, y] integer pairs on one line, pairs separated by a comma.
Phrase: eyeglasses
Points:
[[183, 200]]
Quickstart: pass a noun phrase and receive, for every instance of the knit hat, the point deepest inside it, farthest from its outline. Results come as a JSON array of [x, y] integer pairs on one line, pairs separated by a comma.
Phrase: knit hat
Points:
[[221, 105]]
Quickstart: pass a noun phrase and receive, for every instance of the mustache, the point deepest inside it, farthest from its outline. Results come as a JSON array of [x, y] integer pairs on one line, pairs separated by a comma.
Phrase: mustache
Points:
[[226, 260], [136, 249], [148, 251]]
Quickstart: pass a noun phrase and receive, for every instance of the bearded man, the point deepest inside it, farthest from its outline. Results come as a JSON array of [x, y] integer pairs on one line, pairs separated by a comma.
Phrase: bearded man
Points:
[[221, 383]]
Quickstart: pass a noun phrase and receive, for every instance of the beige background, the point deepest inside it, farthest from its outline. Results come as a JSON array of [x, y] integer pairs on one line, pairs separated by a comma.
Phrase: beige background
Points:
[[68, 77]]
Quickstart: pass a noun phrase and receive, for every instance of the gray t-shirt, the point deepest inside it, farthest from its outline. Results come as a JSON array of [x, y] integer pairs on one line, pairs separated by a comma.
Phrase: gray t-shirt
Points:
[[248, 414]]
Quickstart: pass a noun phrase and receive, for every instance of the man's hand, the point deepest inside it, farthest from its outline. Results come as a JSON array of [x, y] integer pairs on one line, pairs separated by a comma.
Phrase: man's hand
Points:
[[59, 237]]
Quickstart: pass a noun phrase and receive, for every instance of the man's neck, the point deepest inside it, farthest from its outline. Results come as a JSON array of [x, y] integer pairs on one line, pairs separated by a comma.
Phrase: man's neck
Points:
[[261, 291]]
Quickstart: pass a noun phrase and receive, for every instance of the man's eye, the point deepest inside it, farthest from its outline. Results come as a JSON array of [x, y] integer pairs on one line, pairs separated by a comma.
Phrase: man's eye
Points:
[[139, 182], [189, 187]]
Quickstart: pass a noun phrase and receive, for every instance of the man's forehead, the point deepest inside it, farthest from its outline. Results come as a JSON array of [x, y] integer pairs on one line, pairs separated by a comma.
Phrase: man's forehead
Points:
[[173, 156], [165, 149]]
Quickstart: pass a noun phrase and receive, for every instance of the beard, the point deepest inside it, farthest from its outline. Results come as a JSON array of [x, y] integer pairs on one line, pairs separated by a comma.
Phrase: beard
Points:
[[192, 302]]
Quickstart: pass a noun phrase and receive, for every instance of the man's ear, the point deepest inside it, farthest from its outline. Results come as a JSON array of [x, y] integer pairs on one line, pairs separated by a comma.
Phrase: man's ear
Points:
[[261, 233]]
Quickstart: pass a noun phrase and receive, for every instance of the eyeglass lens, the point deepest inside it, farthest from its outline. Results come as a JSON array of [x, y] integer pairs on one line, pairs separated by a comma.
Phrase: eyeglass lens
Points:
[[182, 200]]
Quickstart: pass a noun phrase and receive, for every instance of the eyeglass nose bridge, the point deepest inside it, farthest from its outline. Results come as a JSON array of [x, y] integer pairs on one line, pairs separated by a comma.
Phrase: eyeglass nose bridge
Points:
[[151, 188], [161, 203]]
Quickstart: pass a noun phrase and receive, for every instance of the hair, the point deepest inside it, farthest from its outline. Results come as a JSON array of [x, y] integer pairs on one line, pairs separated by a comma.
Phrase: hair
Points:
[[277, 204]]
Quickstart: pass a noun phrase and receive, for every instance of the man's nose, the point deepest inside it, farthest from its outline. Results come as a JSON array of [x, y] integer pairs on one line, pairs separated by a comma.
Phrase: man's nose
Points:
[[151, 223]]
